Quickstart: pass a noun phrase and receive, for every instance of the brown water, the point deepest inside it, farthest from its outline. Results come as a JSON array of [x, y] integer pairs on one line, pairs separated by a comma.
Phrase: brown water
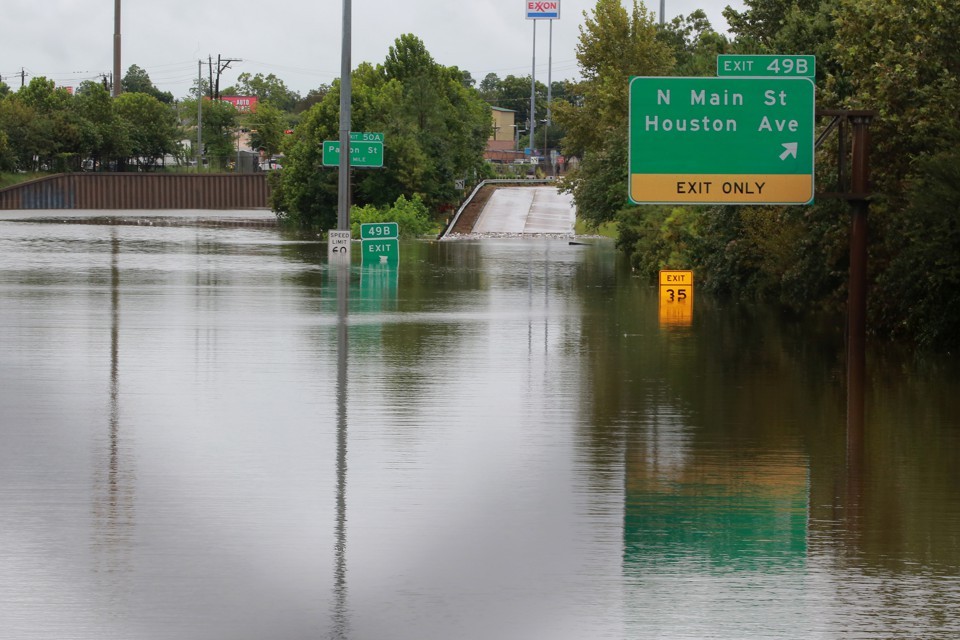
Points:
[[210, 434]]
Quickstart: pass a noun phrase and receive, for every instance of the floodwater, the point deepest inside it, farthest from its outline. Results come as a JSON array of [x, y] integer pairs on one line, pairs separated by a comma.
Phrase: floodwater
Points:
[[212, 434]]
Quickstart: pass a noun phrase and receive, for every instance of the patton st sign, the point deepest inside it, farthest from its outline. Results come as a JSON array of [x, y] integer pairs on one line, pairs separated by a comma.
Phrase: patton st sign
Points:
[[721, 140], [366, 150]]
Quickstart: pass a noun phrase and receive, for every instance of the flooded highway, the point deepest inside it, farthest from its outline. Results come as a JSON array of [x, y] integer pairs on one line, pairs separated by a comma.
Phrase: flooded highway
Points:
[[214, 434]]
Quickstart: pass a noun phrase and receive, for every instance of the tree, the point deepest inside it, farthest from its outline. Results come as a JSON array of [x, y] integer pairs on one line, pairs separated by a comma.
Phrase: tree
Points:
[[138, 81], [313, 97], [151, 123], [613, 46], [220, 124], [267, 128], [108, 137], [694, 43], [435, 131], [267, 88]]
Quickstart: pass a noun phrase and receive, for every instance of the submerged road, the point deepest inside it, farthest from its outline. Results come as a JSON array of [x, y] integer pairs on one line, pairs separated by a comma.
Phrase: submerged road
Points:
[[525, 210]]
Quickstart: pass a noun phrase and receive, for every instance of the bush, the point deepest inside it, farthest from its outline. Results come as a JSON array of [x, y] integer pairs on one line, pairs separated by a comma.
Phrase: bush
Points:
[[410, 215]]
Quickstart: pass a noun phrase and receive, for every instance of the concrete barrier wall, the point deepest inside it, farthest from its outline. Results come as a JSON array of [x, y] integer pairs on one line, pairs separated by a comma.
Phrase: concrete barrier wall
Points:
[[139, 191]]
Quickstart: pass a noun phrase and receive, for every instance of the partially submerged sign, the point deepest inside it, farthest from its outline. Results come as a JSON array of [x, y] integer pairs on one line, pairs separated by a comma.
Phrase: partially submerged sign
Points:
[[676, 297], [338, 245], [380, 244]]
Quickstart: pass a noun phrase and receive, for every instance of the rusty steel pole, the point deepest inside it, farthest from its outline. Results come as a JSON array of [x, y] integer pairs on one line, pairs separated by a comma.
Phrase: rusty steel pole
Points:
[[857, 292]]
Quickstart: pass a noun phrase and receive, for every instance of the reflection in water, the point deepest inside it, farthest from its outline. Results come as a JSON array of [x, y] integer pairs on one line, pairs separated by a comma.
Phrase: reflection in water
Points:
[[340, 627], [114, 502], [531, 454], [717, 512]]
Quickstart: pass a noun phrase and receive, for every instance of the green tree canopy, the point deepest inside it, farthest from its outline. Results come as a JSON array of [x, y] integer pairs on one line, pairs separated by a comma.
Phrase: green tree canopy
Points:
[[613, 46], [267, 88], [137, 80], [435, 131], [151, 123]]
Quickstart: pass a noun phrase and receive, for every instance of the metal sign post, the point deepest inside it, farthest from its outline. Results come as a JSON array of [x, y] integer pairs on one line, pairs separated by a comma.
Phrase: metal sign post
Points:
[[343, 186]]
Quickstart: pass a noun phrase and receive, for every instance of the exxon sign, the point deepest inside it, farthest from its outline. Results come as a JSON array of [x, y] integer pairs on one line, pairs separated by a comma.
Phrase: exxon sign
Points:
[[543, 9]]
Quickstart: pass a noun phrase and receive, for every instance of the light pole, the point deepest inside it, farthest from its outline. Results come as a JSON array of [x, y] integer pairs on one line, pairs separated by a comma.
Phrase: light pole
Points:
[[343, 185], [116, 48]]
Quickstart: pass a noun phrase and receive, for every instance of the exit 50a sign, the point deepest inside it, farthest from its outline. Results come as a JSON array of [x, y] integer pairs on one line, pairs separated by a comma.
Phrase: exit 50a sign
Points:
[[721, 140], [366, 150]]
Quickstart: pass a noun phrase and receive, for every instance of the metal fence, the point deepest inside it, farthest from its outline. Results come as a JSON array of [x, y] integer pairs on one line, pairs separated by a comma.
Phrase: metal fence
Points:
[[139, 191]]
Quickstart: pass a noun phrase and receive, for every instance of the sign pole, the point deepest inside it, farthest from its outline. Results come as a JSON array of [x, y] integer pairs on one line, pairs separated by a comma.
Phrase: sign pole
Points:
[[857, 292], [533, 91], [546, 123], [343, 187]]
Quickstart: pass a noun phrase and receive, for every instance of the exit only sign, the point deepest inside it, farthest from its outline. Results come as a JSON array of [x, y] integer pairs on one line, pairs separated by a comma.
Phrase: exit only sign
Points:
[[721, 140]]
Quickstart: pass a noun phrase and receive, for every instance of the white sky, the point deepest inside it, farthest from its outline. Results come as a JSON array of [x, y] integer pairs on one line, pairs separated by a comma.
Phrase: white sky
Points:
[[297, 40]]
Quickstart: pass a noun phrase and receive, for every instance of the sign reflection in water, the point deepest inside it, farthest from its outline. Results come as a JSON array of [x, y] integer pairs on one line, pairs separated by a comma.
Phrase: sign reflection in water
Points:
[[212, 433]]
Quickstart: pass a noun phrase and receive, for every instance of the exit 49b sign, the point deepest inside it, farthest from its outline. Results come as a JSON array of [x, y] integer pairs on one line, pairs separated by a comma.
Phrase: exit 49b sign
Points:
[[721, 140]]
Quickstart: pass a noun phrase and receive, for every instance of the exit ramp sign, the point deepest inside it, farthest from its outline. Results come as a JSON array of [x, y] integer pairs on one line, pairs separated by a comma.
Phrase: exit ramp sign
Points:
[[366, 150], [766, 66], [380, 244], [721, 140]]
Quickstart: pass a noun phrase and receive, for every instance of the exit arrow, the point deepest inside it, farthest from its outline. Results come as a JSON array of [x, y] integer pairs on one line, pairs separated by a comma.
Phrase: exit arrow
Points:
[[790, 150]]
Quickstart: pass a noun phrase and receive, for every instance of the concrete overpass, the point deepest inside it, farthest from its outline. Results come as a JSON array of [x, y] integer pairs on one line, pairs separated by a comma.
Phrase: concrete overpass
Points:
[[514, 209]]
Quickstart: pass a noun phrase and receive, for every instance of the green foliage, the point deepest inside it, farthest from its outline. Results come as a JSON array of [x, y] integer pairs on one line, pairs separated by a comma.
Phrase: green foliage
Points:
[[895, 58], [613, 46], [435, 132], [694, 43], [411, 216], [267, 125], [47, 129], [269, 89], [138, 81], [657, 238], [220, 122], [918, 294], [152, 124]]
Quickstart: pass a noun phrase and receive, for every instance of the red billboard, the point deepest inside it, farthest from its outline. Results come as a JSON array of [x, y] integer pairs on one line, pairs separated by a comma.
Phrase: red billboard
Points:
[[243, 104]]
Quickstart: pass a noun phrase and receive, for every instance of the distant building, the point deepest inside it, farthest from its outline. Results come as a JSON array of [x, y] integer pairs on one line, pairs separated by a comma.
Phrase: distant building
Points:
[[502, 145]]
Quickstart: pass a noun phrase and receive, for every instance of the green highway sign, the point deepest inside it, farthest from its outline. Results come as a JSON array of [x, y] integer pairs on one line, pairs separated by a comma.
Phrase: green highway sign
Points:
[[721, 140], [747, 66], [366, 150], [379, 230], [379, 243], [384, 251]]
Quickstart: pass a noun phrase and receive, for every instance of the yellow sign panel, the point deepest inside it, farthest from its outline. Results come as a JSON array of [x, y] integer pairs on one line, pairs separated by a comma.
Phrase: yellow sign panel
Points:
[[720, 188], [676, 297]]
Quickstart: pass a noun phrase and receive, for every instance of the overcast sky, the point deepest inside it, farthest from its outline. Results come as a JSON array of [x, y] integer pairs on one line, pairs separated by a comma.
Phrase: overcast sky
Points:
[[297, 40]]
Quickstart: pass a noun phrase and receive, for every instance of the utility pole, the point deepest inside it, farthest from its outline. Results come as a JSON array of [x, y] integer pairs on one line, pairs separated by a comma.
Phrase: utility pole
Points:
[[210, 70], [116, 48], [23, 77], [533, 93], [199, 114], [222, 65]]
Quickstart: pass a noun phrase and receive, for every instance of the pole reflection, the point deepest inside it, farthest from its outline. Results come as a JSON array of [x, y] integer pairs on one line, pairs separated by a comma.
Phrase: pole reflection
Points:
[[339, 616], [114, 505]]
